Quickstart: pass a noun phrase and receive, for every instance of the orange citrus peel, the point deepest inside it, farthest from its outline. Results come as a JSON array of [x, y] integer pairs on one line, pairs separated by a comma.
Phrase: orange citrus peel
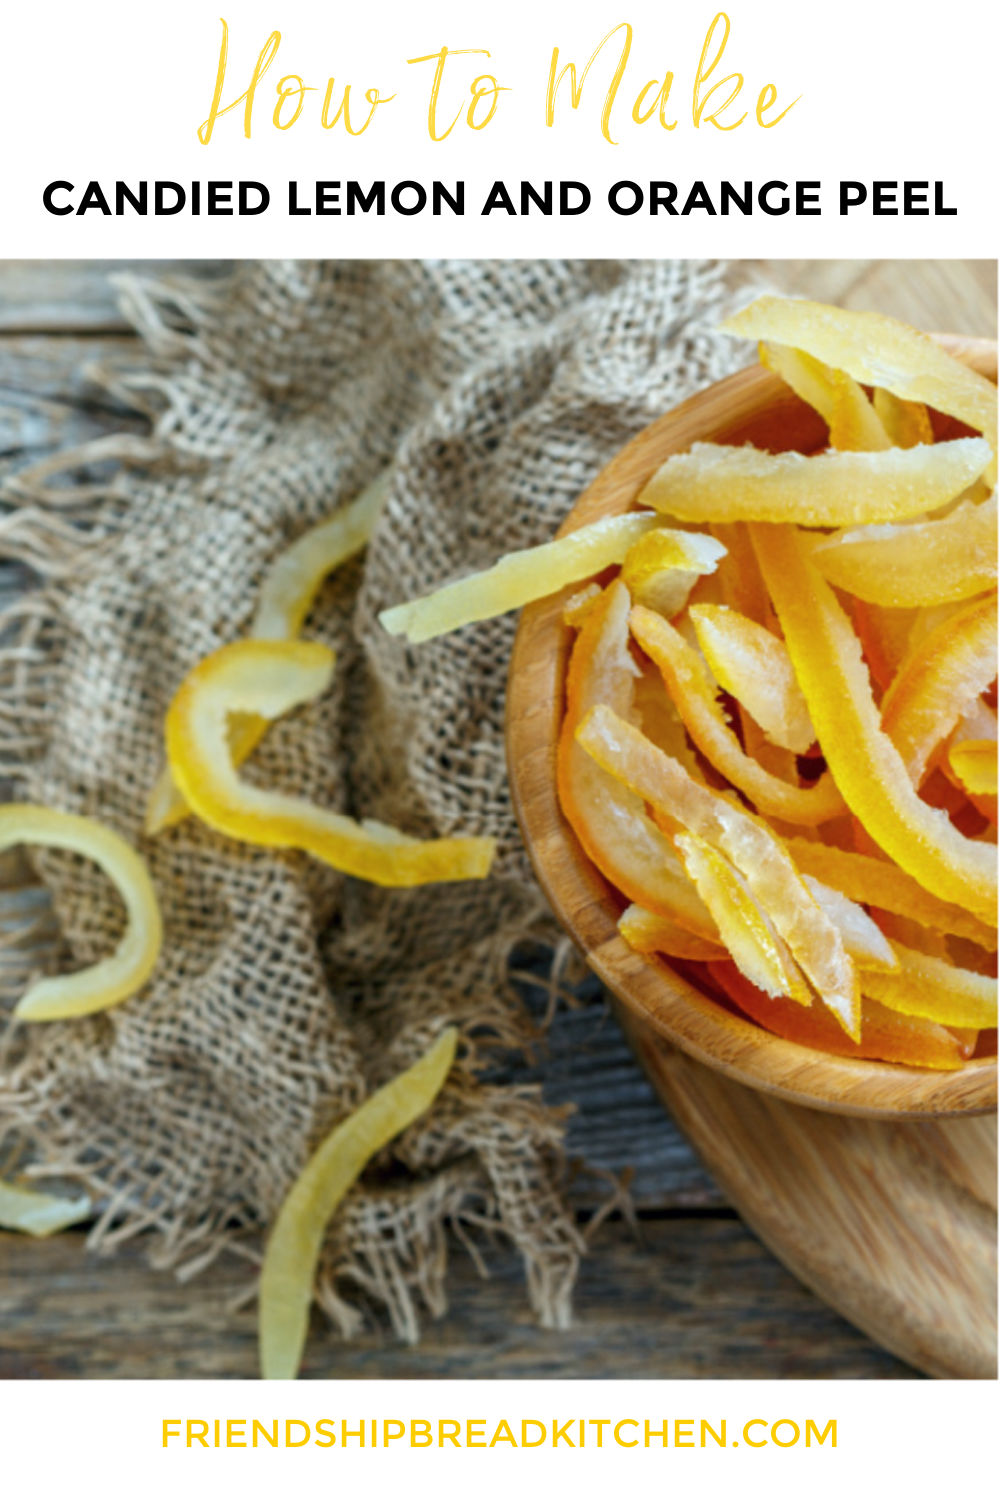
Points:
[[296, 1239], [921, 563], [814, 941], [119, 976], [886, 1035], [712, 482], [520, 577], [267, 679], [287, 594], [866, 765], [694, 694]]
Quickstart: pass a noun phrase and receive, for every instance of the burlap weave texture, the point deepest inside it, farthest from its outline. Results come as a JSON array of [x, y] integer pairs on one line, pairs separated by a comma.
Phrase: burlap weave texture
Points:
[[285, 992]]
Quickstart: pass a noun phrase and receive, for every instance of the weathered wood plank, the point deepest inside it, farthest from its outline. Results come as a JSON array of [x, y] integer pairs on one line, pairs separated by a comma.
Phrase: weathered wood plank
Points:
[[694, 1298], [74, 296]]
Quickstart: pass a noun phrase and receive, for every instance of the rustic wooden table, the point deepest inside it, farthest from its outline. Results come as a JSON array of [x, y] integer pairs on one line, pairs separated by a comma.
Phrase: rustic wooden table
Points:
[[679, 1288]]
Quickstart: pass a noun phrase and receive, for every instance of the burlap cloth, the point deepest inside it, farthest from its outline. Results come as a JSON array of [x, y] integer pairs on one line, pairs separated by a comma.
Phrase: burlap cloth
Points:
[[286, 992]]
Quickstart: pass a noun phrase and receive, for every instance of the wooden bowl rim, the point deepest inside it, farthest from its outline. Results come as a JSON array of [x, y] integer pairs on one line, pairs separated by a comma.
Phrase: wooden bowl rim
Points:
[[582, 899]]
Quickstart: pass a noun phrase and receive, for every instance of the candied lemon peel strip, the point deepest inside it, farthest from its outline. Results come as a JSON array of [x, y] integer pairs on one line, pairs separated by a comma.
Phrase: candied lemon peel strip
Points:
[[520, 577], [920, 563], [39, 1214], [974, 762], [610, 822], [872, 881], [876, 350], [752, 663], [744, 927], [906, 423], [712, 482], [935, 990], [269, 678], [287, 594], [662, 567], [648, 933], [867, 767], [119, 976], [747, 842], [295, 1241], [694, 694], [885, 1035], [853, 421], [939, 681]]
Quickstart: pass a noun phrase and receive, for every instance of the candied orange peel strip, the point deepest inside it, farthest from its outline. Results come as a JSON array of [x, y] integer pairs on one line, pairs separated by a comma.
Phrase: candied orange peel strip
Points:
[[648, 933], [119, 976], [751, 663], [662, 567], [39, 1214], [296, 1239], [921, 563], [610, 822], [935, 990], [287, 594], [867, 767], [877, 351], [520, 577], [939, 681], [885, 1035], [712, 482], [814, 941], [691, 689], [269, 678]]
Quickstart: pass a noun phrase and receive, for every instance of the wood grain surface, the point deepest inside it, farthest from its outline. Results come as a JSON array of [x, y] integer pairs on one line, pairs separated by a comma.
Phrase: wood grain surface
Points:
[[688, 1291]]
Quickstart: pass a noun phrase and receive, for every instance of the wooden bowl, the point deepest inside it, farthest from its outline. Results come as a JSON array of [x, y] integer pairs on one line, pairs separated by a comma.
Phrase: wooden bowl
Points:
[[751, 406]]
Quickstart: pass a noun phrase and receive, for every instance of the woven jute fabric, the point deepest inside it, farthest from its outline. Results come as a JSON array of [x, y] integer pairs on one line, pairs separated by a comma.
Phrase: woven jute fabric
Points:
[[285, 992]]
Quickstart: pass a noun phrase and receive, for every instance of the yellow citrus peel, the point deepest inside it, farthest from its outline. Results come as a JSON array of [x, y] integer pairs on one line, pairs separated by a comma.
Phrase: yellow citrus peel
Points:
[[287, 594], [610, 822], [662, 567], [936, 990], [867, 767], [872, 881], [974, 762], [648, 933], [815, 942], [39, 1214], [269, 678], [920, 563], [876, 350], [119, 976], [906, 423], [712, 482], [520, 577], [753, 664], [296, 1239], [694, 694], [939, 681]]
